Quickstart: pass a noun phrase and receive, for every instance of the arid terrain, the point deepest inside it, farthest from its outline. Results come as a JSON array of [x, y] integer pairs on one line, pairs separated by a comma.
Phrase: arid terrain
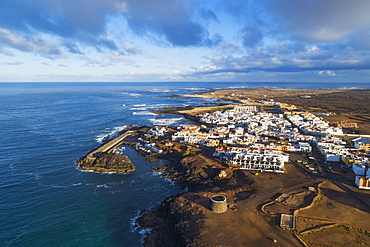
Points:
[[327, 212], [255, 204], [329, 209], [347, 104]]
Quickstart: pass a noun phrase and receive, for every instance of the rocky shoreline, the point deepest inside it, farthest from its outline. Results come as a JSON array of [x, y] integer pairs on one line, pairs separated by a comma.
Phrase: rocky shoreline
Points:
[[186, 219]]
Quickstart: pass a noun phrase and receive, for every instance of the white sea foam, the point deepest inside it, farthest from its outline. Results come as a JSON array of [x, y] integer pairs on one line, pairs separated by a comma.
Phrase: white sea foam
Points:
[[145, 107], [101, 173], [349, 88], [132, 94], [144, 113], [63, 186], [160, 105], [139, 108], [135, 227], [155, 173], [237, 87], [81, 170], [144, 232], [116, 191], [134, 224], [170, 181], [57, 186], [166, 121], [100, 138], [103, 186], [194, 89], [158, 90], [114, 133]]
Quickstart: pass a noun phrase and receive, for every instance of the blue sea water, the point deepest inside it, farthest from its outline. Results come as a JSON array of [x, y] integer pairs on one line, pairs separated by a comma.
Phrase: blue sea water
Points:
[[46, 127]]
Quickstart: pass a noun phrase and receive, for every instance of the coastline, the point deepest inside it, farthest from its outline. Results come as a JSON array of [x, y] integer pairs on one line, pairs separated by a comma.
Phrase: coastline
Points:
[[186, 218]]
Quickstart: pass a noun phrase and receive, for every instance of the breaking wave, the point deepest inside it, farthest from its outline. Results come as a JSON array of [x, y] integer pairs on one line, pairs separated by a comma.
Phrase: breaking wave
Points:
[[158, 90], [113, 134], [166, 121], [144, 113], [132, 94], [144, 107]]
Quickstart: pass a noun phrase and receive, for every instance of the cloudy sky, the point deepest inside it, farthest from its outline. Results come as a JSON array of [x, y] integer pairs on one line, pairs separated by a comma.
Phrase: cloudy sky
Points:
[[185, 40]]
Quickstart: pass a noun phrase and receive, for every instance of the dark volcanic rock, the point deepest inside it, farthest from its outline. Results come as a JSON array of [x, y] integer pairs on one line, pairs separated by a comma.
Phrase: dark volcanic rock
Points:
[[195, 172], [175, 222], [107, 162]]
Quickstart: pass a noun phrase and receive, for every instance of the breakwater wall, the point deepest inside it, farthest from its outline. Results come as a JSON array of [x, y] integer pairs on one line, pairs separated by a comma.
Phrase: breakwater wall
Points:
[[108, 146]]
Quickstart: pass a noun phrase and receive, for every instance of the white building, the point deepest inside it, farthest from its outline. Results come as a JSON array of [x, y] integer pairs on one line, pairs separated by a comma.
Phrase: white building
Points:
[[363, 182], [259, 161]]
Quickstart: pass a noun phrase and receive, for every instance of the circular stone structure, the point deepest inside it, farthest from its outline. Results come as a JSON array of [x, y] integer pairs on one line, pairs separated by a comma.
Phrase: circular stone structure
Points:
[[218, 204]]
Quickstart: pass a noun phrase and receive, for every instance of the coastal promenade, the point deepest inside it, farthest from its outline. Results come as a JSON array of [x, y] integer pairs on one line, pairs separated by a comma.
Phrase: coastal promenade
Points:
[[109, 146]]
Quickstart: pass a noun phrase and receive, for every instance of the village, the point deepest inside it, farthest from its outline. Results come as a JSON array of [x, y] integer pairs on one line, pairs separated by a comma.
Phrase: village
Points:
[[261, 138], [293, 175]]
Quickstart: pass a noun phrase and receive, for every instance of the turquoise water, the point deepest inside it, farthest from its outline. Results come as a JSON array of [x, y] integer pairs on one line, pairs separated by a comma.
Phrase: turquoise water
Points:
[[45, 128]]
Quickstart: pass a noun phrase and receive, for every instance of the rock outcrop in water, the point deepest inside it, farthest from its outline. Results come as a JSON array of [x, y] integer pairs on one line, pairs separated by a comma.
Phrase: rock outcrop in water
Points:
[[107, 162]]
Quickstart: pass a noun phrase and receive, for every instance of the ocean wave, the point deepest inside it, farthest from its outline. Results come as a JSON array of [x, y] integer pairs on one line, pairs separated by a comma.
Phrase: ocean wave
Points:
[[350, 88], [57, 186], [195, 88], [155, 173], [116, 192], [105, 186], [131, 94], [170, 181], [101, 173], [161, 105], [144, 232], [78, 168], [113, 134], [145, 107], [231, 87], [104, 173], [62, 186], [166, 121], [158, 90], [144, 113], [139, 108], [135, 227]]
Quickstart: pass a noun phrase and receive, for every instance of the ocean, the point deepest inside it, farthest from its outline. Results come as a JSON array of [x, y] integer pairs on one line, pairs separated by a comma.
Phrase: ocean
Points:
[[46, 127]]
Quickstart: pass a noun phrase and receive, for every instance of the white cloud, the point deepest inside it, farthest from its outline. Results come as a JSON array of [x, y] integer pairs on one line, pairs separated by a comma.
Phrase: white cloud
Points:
[[7, 52], [313, 48], [327, 73], [30, 43], [276, 60]]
